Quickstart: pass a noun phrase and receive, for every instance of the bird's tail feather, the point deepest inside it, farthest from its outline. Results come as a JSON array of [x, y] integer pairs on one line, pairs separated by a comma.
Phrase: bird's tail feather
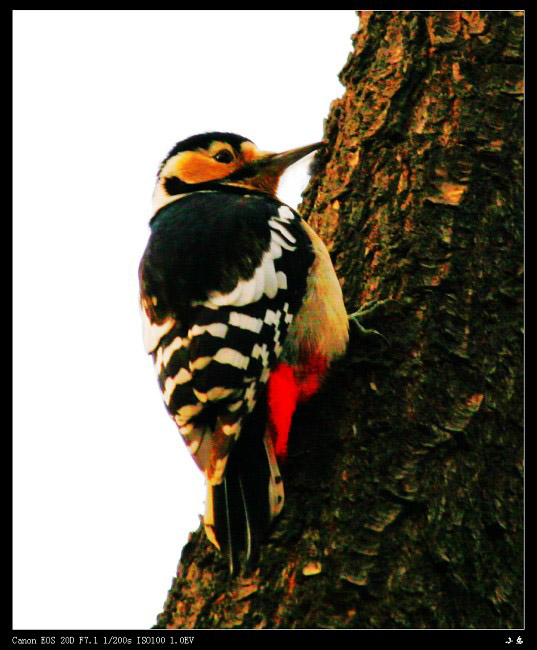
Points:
[[240, 509]]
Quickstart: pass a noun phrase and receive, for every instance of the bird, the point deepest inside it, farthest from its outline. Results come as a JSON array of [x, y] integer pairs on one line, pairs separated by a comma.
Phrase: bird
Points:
[[243, 314]]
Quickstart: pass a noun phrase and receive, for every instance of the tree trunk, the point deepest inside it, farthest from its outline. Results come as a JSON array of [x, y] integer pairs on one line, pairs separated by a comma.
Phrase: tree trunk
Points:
[[404, 481]]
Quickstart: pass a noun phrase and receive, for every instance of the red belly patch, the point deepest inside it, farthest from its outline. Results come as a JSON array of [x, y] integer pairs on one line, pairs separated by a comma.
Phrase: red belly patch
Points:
[[287, 386]]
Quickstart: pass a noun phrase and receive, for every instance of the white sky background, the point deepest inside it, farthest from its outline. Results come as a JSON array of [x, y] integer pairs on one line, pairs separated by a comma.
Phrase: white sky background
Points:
[[105, 492]]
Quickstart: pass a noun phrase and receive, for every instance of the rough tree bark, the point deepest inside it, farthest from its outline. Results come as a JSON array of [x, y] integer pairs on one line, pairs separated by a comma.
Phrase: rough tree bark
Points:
[[404, 484]]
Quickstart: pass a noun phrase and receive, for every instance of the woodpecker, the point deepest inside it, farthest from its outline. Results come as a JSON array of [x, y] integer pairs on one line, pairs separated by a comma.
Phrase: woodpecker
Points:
[[242, 313]]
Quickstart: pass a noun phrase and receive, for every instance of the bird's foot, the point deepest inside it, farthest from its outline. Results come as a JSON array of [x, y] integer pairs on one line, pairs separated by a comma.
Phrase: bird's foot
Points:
[[366, 310]]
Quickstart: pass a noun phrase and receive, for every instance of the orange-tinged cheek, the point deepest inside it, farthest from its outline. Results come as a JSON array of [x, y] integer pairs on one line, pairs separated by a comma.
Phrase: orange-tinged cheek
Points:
[[196, 168]]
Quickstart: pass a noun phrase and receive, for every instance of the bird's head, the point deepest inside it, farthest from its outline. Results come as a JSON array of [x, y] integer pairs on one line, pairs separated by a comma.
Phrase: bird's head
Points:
[[211, 159]]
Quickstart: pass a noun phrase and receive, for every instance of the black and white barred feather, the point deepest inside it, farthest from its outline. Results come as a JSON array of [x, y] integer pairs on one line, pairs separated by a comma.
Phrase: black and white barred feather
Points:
[[222, 277]]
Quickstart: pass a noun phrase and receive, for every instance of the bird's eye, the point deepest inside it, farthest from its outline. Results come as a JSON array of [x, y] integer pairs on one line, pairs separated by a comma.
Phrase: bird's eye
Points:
[[224, 156]]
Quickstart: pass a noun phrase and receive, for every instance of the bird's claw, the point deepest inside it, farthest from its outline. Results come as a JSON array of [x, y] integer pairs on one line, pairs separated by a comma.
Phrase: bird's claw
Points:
[[365, 310]]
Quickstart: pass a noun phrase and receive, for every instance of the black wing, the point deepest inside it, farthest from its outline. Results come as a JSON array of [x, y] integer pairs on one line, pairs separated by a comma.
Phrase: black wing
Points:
[[221, 279]]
